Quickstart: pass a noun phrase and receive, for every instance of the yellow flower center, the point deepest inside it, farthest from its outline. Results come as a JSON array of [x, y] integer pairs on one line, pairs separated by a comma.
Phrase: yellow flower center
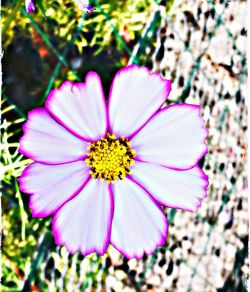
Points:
[[110, 158]]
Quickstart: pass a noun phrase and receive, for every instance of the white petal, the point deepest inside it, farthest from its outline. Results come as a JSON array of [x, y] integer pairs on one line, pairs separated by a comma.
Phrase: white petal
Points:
[[46, 141], [174, 137], [84, 6], [30, 6], [84, 223], [139, 225], [82, 2], [80, 107], [176, 189], [52, 185], [134, 97]]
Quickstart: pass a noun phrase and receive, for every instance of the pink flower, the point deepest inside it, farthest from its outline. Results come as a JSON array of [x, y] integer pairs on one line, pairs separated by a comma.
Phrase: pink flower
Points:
[[82, 4], [104, 170], [30, 6]]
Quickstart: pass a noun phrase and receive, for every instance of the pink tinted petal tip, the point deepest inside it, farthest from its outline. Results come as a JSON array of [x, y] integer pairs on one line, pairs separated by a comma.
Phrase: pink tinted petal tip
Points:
[[58, 241], [163, 235], [42, 135], [136, 67], [121, 77], [84, 6], [35, 214], [37, 111], [161, 242], [49, 105], [30, 6], [45, 213], [205, 180], [204, 195], [204, 138], [90, 89], [20, 179], [66, 84], [156, 74]]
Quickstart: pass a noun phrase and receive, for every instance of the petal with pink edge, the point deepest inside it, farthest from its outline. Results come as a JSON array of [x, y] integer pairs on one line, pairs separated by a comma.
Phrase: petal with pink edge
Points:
[[84, 5], [139, 225], [52, 185], [80, 107], [46, 141], [174, 137], [84, 223], [175, 189], [134, 97], [30, 6]]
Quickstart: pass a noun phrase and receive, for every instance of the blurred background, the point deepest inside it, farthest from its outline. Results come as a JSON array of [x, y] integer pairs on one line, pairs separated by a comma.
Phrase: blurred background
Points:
[[201, 47]]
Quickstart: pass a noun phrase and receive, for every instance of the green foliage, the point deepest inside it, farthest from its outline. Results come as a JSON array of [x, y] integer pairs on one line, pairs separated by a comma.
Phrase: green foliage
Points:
[[17, 231], [59, 19]]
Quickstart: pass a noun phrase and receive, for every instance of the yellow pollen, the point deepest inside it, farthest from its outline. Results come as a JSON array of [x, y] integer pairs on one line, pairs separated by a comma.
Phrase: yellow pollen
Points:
[[110, 158]]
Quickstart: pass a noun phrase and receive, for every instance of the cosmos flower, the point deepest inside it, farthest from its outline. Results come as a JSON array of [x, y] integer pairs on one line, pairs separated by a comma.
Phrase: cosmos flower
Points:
[[82, 4], [30, 6], [104, 171]]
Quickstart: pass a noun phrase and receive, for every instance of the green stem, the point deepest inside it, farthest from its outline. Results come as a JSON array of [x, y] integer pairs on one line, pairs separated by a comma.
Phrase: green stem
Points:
[[48, 42], [23, 215], [11, 17]]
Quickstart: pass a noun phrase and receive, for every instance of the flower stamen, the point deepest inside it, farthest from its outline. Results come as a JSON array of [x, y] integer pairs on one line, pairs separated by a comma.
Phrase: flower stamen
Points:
[[110, 158]]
